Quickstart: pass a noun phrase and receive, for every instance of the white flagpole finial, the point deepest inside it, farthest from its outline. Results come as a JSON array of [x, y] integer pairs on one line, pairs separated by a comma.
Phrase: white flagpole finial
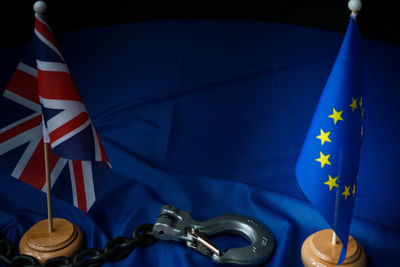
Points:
[[354, 6], [39, 7]]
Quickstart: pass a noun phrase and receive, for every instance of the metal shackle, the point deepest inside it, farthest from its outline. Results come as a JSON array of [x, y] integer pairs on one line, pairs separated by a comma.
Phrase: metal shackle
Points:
[[177, 225]]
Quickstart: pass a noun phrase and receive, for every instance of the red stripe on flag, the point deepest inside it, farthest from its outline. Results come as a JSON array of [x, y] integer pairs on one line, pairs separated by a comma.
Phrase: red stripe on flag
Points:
[[103, 152], [24, 85], [80, 185], [45, 31], [20, 128], [34, 171], [57, 85], [69, 126]]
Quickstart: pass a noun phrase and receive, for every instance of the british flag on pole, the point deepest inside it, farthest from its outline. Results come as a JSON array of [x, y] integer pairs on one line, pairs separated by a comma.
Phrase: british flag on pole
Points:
[[43, 105]]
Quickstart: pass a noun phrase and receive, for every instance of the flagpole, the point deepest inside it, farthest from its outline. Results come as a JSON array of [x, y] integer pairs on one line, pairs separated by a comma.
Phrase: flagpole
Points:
[[48, 187], [40, 7], [334, 238], [354, 6]]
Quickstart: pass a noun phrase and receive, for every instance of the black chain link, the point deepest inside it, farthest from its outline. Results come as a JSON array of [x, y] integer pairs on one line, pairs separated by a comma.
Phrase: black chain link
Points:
[[115, 250]]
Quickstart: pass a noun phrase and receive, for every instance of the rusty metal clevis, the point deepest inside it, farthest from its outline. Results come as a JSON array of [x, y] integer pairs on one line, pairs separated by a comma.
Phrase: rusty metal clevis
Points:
[[177, 225]]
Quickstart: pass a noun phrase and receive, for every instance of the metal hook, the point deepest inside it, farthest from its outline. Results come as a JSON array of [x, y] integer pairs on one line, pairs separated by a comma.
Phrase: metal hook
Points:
[[177, 225]]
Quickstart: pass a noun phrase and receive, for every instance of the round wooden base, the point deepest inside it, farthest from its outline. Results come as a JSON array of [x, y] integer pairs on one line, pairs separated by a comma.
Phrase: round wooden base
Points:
[[317, 250], [65, 240]]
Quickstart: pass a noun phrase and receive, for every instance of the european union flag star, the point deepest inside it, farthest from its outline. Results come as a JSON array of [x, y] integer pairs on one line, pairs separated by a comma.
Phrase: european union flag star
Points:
[[332, 182], [324, 137], [336, 116], [323, 159], [353, 104], [354, 189], [346, 192]]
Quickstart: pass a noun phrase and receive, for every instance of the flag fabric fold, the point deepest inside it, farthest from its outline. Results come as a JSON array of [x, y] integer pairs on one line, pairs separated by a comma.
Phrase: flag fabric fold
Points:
[[66, 119], [327, 167], [44, 105]]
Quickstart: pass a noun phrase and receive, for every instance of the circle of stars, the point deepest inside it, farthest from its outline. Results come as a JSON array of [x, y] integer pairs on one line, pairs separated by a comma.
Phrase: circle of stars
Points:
[[324, 137]]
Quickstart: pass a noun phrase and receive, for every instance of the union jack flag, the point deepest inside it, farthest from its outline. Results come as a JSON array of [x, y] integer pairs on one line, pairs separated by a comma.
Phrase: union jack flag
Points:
[[45, 106]]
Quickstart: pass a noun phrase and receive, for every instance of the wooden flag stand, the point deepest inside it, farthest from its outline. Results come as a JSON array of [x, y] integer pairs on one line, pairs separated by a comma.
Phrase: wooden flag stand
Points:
[[51, 238], [56, 237], [38, 242], [319, 250]]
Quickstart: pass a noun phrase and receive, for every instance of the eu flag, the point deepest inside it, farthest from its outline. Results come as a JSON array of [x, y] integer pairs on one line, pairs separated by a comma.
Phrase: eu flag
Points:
[[327, 168]]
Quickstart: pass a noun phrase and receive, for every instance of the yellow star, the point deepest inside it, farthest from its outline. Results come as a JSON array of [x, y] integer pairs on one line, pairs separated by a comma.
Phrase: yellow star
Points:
[[354, 190], [362, 130], [331, 182], [353, 104], [324, 159], [336, 116], [346, 192], [324, 137], [360, 101], [362, 112]]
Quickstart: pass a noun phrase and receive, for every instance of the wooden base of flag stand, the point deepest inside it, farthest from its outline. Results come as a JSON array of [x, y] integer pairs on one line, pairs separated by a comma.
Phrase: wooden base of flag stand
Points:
[[65, 240], [318, 250]]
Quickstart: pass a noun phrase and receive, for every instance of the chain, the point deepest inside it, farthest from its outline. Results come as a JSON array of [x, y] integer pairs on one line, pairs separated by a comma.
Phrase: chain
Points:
[[115, 250]]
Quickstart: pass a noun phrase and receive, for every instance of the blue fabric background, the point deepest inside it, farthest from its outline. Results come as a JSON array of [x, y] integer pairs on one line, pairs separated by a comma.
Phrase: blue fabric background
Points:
[[210, 117]]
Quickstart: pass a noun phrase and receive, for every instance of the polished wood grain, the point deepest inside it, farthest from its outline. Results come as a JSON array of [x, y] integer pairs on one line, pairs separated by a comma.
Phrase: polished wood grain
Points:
[[65, 240], [318, 250]]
